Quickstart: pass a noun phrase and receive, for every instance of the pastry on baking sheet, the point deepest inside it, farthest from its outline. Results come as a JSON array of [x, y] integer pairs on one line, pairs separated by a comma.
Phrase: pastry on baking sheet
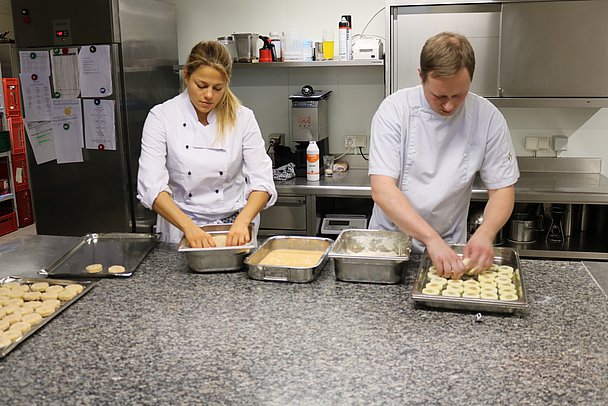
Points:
[[94, 268], [116, 269]]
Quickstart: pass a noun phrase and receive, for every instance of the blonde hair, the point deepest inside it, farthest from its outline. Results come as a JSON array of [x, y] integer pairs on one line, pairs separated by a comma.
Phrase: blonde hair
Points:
[[445, 54], [216, 55]]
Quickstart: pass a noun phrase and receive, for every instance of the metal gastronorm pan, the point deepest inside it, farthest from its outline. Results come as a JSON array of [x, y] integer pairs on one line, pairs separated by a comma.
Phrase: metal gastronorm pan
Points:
[[502, 256], [87, 286], [218, 259], [126, 249], [288, 273], [372, 256]]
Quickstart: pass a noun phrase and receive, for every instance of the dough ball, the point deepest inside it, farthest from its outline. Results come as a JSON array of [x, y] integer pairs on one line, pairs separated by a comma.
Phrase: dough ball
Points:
[[39, 287], [4, 300], [21, 326], [4, 325], [54, 288], [67, 294], [32, 305], [471, 295], [12, 318], [442, 281], [488, 295], [45, 311], [32, 318], [2, 312], [94, 268], [24, 310], [10, 309], [4, 291], [5, 342], [434, 285], [450, 293], [11, 285], [455, 282], [220, 240], [29, 296], [470, 282], [431, 291], [22, 288], [503, 280], [508, 296], [48, 295], [16, 294], [54, 303], [116, 269], [76, 287], [16, 302], [13, 335], [505, 268]]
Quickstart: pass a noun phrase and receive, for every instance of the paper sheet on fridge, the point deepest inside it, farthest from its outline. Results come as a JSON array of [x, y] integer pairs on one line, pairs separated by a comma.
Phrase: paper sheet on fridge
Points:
[[66, 80], [36, 91], [35, 62], [99, 124], [95, 71], [67, 130], [40, 137]]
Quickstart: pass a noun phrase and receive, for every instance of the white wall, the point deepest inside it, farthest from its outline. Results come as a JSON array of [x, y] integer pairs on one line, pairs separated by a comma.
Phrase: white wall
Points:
[[356, 91]]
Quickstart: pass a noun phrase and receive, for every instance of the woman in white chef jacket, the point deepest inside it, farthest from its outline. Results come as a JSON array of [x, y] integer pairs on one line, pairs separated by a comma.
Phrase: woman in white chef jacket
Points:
[[427, 144], [203, 159]]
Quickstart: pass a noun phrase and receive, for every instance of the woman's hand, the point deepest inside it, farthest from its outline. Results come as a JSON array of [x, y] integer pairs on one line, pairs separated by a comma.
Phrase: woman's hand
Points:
[[197, 238], [238, 234]]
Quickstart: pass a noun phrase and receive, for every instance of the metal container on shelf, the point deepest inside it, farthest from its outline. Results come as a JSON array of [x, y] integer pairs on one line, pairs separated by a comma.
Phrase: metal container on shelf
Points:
[[230, 44], [218, 259], [524, 228], [246, 46], [371, 256]]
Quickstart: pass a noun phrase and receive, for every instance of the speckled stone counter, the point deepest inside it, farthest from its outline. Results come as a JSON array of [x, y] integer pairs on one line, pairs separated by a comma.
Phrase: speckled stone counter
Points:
[[168, 336]]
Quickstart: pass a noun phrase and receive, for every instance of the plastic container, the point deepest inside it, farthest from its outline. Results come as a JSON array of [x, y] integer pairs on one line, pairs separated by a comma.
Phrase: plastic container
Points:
[[308, 50], [344, 39], [292, 47], [275, 39], [229, 43], [312, 162]]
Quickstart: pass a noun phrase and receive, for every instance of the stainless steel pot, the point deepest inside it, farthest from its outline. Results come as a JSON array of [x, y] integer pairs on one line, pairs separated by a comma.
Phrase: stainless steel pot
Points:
[[474, 221], [246, 46], [523, 228]]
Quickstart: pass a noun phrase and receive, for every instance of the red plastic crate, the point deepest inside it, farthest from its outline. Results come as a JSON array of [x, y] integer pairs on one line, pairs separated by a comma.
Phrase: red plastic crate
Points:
[[8, 223], [15, 125], [20, 172], [12, 98], [25, 212]]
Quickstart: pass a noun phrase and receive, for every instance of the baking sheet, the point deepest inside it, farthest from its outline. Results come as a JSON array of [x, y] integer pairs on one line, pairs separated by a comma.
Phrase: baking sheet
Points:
[[88, 285], [126, 249], [502, 256]]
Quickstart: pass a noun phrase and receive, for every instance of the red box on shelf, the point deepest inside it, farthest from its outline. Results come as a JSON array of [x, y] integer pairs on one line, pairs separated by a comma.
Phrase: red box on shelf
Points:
[[12, 98], [20, 173], [8, 223], [15, 125], [25, 212]]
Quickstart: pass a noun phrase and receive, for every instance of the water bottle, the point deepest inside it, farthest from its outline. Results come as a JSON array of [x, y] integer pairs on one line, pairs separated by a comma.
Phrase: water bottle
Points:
[[312, 162]]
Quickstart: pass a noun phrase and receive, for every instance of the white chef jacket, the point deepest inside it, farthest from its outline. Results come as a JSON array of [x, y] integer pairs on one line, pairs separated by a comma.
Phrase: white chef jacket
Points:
[[209, 182], [435, 158]]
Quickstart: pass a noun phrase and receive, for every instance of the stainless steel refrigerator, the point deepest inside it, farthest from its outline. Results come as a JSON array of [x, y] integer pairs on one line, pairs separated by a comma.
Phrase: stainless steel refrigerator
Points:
[[99, 194]]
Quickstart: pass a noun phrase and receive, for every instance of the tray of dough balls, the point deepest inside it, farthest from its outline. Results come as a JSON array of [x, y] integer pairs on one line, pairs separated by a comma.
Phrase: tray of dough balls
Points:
[[499, 288], [289, 259], [27, 304], [103, 255]]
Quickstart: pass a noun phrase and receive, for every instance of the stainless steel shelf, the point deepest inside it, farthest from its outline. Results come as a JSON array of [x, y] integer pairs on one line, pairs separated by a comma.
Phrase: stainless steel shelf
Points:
[[583, 245], [549, 102], [302, 64]]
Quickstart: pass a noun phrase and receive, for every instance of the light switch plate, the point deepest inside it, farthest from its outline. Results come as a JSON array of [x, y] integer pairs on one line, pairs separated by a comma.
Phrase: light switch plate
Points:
[[531, 143]]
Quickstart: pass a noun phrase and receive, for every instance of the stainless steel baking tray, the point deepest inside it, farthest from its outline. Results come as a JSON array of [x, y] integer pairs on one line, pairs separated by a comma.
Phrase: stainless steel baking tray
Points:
[[502, 256], [218, 259], [288, 273], [86, 284], [126, 249], [372, 256]]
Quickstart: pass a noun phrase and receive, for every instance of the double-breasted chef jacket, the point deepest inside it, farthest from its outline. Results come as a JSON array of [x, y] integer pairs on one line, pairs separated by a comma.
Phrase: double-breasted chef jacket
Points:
[[435, 158], [210, 181]]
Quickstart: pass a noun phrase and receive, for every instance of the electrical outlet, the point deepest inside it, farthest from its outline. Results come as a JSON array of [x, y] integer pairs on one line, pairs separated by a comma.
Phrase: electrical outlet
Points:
[[531, 143], [543, 143], [355, 141], [275, 139]]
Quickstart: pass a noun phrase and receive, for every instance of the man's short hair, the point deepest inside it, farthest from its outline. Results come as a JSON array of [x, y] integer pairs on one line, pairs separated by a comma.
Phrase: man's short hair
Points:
[[445, 54]]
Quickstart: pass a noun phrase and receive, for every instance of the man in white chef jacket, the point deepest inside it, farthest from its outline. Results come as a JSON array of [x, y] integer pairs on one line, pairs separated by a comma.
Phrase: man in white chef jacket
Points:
[[427, 144]]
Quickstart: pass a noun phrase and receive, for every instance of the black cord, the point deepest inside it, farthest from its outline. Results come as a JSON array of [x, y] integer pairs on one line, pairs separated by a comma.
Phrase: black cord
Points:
[[361, 152]]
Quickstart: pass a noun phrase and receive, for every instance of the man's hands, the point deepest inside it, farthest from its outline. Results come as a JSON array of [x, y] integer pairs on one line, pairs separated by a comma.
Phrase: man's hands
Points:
[[478, 256]]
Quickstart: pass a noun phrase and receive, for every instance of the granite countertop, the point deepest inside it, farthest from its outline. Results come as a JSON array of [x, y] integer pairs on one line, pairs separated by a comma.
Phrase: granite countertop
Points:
[[169, 336]]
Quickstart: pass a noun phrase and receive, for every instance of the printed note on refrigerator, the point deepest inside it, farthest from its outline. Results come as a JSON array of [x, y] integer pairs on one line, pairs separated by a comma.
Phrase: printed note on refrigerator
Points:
[[36, 91], [66, 79], [95, 71], [35, 62], [99, 124], [67, 130], [40, 137]]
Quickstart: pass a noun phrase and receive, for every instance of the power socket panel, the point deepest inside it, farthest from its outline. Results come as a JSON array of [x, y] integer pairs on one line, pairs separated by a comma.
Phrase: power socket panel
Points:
[[355, 141]]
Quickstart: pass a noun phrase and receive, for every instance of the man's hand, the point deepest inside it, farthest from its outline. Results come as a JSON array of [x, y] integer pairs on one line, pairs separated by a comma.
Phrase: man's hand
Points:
[[445, 259], [479, 253]]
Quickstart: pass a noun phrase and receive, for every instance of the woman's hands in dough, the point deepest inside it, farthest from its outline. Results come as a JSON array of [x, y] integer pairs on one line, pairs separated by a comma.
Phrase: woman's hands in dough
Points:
[[238, 234], [197, 238], [445, 259]]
